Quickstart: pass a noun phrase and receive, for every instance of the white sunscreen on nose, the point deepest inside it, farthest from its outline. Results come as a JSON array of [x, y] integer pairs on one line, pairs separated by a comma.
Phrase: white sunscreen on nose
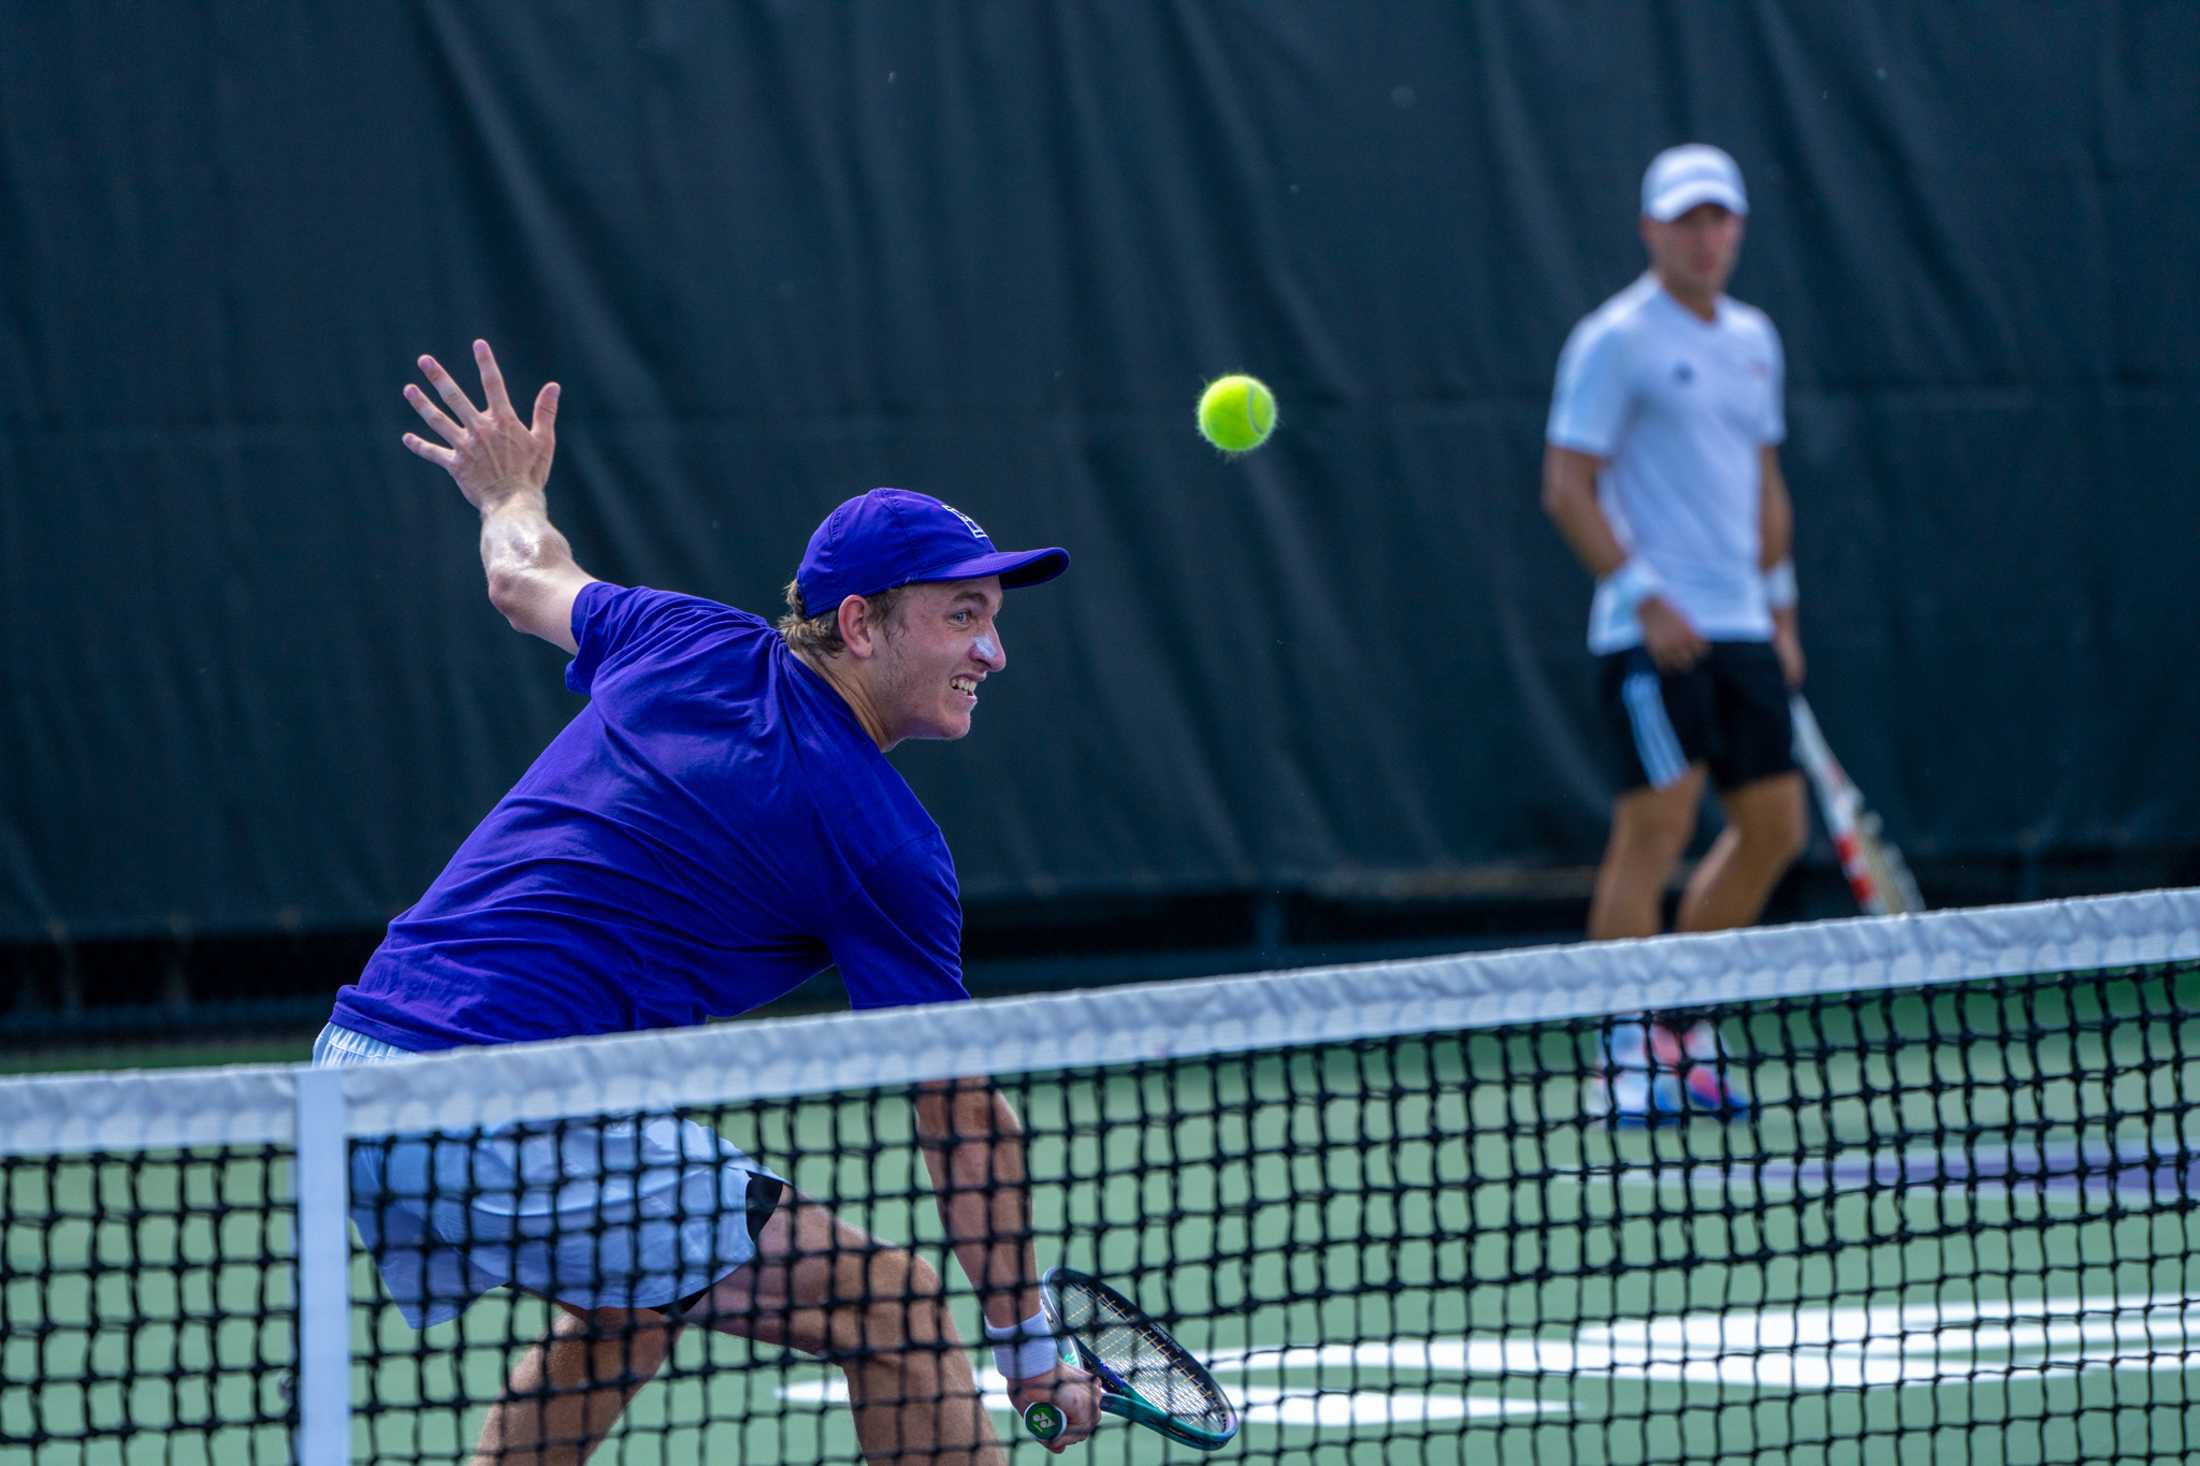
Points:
[[987, 648]]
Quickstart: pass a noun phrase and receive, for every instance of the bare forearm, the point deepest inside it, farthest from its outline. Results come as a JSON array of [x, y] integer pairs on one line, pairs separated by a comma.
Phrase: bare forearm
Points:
[[974, 1148], [529, 565], [1776, 513], [518, 539], [1570, 499], [1777, 527], [1588, 534]]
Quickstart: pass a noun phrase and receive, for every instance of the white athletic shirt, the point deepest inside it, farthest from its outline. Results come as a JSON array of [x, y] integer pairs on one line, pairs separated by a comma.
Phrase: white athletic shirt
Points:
[[1678, 407]]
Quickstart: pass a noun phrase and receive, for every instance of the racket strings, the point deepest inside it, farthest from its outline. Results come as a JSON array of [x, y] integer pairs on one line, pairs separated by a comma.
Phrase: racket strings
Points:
[[1145, 1359]]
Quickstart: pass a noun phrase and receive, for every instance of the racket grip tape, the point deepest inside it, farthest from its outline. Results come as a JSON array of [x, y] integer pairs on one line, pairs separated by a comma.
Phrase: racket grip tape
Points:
[[1044, 1421]]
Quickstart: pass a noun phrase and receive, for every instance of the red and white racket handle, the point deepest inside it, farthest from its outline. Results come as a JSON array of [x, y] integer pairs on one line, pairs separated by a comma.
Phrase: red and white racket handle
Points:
[[1837, 800], [1858, 870]]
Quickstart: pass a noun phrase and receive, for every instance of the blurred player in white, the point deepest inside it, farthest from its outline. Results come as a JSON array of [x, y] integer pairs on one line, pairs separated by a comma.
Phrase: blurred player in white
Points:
[[1661, 469]]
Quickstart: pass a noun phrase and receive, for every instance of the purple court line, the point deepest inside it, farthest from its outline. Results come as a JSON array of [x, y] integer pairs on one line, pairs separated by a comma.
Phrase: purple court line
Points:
[[2134, 1172]]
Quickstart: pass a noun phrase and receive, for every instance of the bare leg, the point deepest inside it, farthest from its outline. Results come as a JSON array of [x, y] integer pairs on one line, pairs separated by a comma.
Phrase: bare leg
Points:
[[567, 1391], [1650, 829], [818, 1285], [824, 1287], [1765, 830]]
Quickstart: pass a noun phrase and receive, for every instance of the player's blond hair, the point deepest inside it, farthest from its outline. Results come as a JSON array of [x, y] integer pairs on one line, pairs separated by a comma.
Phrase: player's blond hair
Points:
[[819, 636]]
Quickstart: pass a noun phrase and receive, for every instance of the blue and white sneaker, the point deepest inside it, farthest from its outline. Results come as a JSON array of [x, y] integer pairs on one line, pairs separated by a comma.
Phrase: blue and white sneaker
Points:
[[1633, 1097], [1629, 1090], [1653, 1075], [1711, 1080]]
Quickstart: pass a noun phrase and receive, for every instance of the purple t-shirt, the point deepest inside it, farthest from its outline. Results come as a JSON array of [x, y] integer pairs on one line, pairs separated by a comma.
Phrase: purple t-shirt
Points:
[[714, 827]]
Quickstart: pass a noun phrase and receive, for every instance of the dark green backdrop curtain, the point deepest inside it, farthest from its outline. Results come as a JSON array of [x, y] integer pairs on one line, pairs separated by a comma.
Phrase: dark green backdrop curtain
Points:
[[778, 253]]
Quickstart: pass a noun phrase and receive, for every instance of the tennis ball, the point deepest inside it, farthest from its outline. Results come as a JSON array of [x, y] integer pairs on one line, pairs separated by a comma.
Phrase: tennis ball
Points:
[[1237, 413]]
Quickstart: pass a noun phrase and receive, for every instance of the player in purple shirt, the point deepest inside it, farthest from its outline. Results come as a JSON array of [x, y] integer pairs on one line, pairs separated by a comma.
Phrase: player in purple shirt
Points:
[[716, 824]]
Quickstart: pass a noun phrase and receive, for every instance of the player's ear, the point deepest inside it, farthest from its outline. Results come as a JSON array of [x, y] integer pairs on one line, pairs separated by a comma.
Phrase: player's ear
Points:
[[859, 628]]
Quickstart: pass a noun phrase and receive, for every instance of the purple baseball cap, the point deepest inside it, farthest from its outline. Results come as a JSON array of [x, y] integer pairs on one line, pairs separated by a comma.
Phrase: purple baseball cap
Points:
[[893, 537]]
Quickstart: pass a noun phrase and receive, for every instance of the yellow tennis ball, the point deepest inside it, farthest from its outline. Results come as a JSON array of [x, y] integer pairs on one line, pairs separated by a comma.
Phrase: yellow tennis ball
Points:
[[1237, 413]]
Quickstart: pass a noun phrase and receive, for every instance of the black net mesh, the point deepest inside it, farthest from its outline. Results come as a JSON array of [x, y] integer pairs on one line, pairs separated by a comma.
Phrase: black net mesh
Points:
[[1953, 1222], [146, 1306]]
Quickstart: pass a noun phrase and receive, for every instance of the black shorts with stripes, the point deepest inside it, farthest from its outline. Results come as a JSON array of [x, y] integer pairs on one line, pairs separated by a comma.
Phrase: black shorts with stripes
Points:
[[1728, 712]]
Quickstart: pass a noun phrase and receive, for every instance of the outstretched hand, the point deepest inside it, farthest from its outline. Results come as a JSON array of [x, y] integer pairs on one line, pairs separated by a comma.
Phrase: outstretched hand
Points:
[[489, 452]]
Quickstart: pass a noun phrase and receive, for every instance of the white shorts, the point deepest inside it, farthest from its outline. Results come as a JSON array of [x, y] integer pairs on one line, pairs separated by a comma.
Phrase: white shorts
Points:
[[633, 1211]]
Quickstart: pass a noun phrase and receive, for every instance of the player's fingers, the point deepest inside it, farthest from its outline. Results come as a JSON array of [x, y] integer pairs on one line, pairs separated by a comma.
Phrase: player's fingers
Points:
[[450, 432], [1084, 1412], [546, 413], [492, 380], [453, 395], [441, 456]]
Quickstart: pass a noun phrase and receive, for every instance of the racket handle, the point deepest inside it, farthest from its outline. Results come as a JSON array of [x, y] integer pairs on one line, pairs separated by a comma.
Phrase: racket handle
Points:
[[1043, 1420]]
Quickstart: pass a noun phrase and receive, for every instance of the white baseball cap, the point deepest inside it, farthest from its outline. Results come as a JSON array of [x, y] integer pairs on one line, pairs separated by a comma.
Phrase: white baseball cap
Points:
[[1680, 178]]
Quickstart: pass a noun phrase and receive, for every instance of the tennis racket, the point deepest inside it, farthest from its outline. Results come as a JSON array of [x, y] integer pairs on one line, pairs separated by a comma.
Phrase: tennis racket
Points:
[[1877, 873], [1145, 1376]]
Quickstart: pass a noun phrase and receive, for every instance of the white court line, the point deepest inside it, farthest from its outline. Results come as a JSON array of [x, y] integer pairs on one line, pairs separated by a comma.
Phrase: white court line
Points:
[[1309, 1407], [1780, 1349]]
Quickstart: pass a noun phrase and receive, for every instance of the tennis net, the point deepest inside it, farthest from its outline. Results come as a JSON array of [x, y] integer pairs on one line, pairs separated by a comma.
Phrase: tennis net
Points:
[[1957, 1220]]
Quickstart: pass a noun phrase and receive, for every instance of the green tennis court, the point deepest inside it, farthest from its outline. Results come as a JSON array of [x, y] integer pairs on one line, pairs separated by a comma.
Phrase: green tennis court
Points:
[[1958, 1226]]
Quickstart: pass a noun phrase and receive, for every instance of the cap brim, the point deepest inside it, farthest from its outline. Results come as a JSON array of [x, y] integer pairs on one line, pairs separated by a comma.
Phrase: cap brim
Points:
[[1016, 568], [1678, 200]]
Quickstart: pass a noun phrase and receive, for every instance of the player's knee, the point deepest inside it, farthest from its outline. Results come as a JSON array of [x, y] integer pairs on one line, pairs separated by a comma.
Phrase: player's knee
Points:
[[1778, 830], [1652, 832], [904, 1306], [1794, 835], [924, 1305], [920, 1281]]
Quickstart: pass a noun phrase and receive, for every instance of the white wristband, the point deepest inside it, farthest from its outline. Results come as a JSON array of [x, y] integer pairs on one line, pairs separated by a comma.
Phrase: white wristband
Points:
[[1025, 1350], [1780, 586], [1633, 583]]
